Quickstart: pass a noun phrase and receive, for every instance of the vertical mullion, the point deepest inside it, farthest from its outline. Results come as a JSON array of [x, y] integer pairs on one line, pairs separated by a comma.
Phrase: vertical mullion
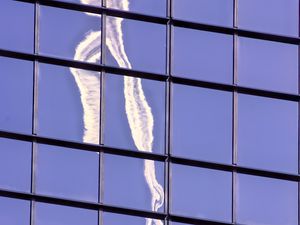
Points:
[[35, 110], [101, 160], [234, 113], [168, 112], [298, 113]]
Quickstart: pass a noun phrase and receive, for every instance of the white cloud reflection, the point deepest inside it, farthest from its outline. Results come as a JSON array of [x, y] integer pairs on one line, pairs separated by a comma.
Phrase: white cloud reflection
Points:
[[138, 111]]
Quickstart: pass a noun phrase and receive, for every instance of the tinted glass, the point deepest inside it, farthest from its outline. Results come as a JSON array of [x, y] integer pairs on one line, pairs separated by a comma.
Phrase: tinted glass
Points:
[[118, 219], [131, 46], [267, 133], [14, 211], [64, 215], [263, 201], [268, 65], [219, 12], [16, 84], [15, 164], [202, 55], [202, 123], [271, 16], [87, 2], [133, 183], [202, 193], [70, 34], [77, 180], [16, 25], [152, 7], [69, 103], [134, 113]]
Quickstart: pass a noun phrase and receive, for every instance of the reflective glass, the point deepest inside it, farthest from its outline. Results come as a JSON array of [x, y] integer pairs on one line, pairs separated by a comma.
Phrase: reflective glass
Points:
[[16, 94], [151, 7], [87, 2], [133, 183], [129, 45], [202, 193], [267, 133], [268, 65], [14, 211], [129, 122], [16, 25], [77, 180], [219, 12], [119, 219], [15, 164], [203, 55], [69, 103], [47, 214], [69, 34], [262, 200], [202, 123], [271, 16]]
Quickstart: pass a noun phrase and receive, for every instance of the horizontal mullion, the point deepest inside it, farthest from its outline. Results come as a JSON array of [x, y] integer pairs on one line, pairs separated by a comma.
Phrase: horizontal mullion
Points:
[[190, 220], [151, 156], [168, 20]]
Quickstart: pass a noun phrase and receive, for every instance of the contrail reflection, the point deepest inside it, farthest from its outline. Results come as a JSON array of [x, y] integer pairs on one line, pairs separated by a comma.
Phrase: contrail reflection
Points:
[[138, 111]]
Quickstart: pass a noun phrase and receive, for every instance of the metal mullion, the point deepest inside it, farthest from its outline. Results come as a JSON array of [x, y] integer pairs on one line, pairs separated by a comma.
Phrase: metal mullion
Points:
[[299, 114]]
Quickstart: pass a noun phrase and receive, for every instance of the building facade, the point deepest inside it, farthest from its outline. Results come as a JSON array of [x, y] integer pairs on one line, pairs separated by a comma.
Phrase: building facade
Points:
[[156, 112]]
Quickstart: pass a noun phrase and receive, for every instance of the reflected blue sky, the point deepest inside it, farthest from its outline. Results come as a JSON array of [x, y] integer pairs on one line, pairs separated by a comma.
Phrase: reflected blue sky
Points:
[[16, 83], [218, 12], [15, 157]]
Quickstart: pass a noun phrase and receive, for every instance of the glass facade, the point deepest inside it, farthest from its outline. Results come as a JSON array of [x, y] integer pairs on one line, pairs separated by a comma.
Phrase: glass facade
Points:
[[155, 112]]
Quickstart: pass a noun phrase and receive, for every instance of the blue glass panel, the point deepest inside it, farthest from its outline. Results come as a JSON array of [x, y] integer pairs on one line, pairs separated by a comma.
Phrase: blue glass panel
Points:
[[202, 123], [268, 65], [202, 193], [219, 12], [131, 46], [152, 7], [69, 103], [203, 55], [16, 93], [118, 219], [271, 16], [262, 200], [133, 183], [87, 2], [70, 34], [117, 131], [14, 211], [64, 215], [268, 133], [16, 25], [15, 164], [78, 180]]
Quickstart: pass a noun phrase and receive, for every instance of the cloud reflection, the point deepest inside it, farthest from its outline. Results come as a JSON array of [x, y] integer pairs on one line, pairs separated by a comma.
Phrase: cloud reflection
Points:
[[138, 111]]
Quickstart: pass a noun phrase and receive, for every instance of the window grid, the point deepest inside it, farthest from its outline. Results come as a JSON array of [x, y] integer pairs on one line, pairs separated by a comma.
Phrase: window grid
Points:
[[169, 79]]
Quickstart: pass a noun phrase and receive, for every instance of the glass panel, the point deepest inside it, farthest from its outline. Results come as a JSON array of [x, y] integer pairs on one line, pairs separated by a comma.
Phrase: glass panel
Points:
[[262, 200], [64, 215], [134, 183], [152, 7], [202, 123], [129, 45], [16, 25], [118, 219], [219, 12], [129, 122], [69, 103], [203, 55], [203, 193], [271, 16], [70, 34], [268, 133], [87, 2], [14, 211], [15, 164], [268, 65], [78, 180], [16, 93]]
